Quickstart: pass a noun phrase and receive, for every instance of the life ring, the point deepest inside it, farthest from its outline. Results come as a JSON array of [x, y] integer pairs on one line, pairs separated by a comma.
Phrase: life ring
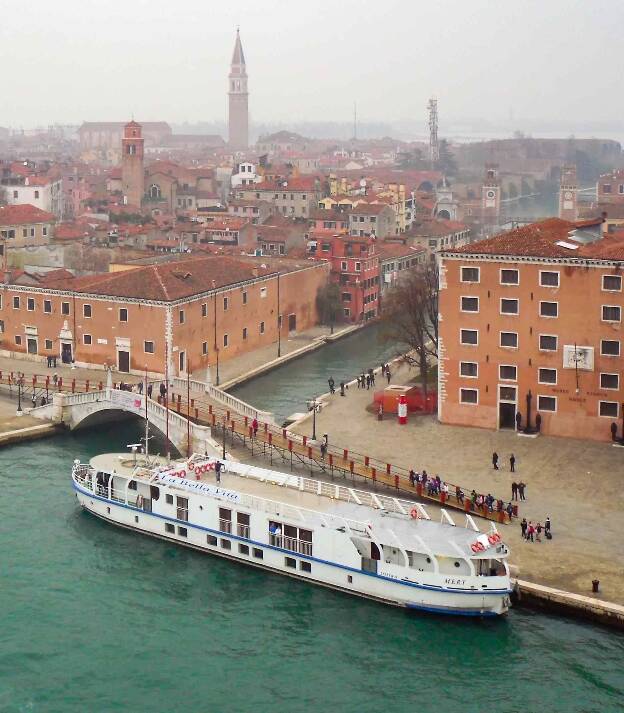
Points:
[[414, 514], [474, 546], [204, 468], [480, 546], [494, 538]]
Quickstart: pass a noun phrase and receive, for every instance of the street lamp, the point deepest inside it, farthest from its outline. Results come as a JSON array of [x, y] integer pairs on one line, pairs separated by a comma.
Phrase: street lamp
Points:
[[314, 404], [19, 395], [224, 438]]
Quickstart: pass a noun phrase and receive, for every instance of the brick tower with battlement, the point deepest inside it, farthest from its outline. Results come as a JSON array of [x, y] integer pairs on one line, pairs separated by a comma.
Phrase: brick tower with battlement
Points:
[[568, 193], [238, 114], [132, 170]]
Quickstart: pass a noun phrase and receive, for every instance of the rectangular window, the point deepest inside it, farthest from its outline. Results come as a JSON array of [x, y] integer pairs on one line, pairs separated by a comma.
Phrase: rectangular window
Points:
[[123, 314], [169, 499], [47, 306], [182, 508], [148, 347], [548, 278], [509, 306], [610, 347], [226, 544], [343, 265], [608, 408], [469, 396], [30, 304], [16, 303], [258, 553], [225, 340], [469, 368], [509, 339], [358, 266], [65, 308], [204, 310], [243, 549], [48, 344], [547, 376], [86, 339], [469, 336], [181, 316], [18, 339], [290, 562], [548, 342], [610, 381], [469, 304], [211, 540], [549, 309], [244, 297], [547, 403], [305, 566], [182, 531], [225, 304], [261, 327], [86, 311], [509, 277], [612, 283], [244, 332], [470, 274], [169, 528], [204, 348], [611, 313], [507, 372]]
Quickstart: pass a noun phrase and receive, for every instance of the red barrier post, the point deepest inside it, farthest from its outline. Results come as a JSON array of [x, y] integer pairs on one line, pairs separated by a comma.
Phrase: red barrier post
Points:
[[419, 489], [388, 468], [196, 413], [396, 482], [60, 383], [305, 440], [73, 386], [366, 460], [87, 385], [100, 386], [351, 466], [310, 452], [270, 439], [289, 445], [374, 473], [331, 460], [345, 454]]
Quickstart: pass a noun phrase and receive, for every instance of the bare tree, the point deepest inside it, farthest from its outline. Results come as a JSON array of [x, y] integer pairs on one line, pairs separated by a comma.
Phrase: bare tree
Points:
[[411, 314], [329, 304]]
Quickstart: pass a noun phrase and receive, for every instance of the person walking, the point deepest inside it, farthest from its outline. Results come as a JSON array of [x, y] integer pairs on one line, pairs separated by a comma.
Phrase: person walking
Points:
[[332, 385], [547, 531], [530, 532], [521, 490], [323, 449], [512, 463], [368, 381], [523, 526], [538, 532], [514, 490], [149, 391], [342, 387], [388, 374], [371, 373], [495, 460], [218, 466]]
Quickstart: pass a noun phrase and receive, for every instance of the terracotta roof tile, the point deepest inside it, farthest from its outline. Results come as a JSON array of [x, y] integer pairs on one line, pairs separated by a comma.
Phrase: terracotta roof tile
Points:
[[24, 214]]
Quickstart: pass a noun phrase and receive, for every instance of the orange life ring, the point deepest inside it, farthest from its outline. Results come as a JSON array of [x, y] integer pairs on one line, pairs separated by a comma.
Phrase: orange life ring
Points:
[[494, 538], [414, 514], [481, 546], [474, 546]]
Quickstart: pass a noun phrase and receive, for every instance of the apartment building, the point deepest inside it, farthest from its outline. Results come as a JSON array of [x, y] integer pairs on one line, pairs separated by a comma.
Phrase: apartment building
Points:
[[531, 323], [25, 226]]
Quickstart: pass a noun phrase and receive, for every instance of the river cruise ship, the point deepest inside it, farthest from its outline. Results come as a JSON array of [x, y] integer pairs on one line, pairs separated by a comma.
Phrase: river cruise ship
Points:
[[365, 543]]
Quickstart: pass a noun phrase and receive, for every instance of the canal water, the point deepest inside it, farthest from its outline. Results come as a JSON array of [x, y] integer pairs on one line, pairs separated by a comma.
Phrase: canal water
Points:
[[287, 389], [94, 618]]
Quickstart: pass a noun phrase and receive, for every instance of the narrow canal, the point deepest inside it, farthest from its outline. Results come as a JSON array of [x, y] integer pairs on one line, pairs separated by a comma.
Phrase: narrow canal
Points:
[[286, 390]]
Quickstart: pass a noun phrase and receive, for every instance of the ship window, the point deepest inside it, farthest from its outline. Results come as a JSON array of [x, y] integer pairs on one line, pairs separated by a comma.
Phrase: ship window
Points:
[[457, 564], [136, 518], [182, 531], [226, 544], [211, 540], [243, 549], [258, 553], [305, 566], [169, 527], [132, 485], [108, 510], [182, 508], [349, 579], [169, 499], [290, 562]]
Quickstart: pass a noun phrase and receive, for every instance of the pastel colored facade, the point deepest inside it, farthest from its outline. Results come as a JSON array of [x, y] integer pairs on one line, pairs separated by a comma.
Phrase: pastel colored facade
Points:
[[44, 192], [238, 99], [396, 260], [24, 226], [132, 171], [256, 211], [372, 219], [355, 268], [436, 235], [610, 187], [536, 311], [245, 175], [294, 198], [139, 319]]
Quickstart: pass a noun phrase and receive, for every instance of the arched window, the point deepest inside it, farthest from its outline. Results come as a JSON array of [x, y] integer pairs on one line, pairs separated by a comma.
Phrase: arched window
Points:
[[444, 214], [154, 191]]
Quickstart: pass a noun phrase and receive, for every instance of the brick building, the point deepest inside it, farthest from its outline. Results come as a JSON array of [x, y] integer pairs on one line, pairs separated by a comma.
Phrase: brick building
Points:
[[189, 312], [538, 311], [610, 187]]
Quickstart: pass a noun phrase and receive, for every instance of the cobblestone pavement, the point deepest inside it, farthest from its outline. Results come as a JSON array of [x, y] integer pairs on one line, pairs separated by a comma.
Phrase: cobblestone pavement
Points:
[[577, 483]]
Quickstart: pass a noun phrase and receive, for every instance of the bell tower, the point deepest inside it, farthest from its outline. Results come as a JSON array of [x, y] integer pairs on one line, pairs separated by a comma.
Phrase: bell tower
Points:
[[568, 193], [132, 172], [238, 114], [491, 196]]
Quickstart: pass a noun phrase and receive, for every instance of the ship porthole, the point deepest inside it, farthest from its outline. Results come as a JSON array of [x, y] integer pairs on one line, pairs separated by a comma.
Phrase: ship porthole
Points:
[[457, 564], [428, 560]]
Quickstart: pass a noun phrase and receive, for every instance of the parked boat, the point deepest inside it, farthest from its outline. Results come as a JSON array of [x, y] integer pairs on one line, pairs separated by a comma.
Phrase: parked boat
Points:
[[368, 544]]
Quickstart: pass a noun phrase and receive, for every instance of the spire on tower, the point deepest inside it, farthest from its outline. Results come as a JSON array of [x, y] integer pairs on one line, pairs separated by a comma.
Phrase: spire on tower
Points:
[[238, 57]]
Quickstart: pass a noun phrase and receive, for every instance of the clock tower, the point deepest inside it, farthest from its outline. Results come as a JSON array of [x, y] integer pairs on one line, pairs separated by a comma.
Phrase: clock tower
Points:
[[491, 197], [568, 193]]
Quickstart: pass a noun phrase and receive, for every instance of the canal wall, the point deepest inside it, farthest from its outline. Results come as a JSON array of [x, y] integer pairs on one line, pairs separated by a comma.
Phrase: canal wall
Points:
[[577, 606], [296, 354], [29, 433]]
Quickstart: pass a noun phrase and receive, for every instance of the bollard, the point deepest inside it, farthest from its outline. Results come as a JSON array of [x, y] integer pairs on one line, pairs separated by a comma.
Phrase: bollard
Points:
[[210, 409], [34, 380], [100, 386], [374, 473], [270, 439], [310, 452], [228, 414], [246, 420], [388, 467], [266, 427], [351, 466], [419, 489], [366, 460], [442, 498], [214, 419], [289, 445], [250, 430], [60, 383], [345, 454], [595, 586], [192, 403], [331, 460], [396, 482], [467, 504]]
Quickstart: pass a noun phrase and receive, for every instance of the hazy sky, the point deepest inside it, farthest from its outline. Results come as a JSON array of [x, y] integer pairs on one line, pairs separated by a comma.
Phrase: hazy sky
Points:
[[74, 60]]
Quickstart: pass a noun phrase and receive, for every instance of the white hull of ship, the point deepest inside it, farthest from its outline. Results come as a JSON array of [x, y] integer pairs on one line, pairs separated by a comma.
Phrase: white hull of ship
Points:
[[376, 586]]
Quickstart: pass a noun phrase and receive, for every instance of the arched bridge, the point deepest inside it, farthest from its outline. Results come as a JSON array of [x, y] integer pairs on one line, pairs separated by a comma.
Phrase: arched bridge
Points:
[[81, 409]]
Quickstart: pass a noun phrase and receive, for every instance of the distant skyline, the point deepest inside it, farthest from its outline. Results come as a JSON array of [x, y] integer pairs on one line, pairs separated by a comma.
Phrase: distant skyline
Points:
[[551, 62]]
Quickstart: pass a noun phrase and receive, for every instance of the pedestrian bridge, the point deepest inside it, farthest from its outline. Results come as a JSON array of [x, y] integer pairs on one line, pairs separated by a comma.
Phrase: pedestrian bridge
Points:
[[81, 410]]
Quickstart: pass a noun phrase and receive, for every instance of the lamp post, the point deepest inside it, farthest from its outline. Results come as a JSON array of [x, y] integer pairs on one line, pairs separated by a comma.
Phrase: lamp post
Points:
[[314, 404], [19, 395], [279, 319], [224, 438]]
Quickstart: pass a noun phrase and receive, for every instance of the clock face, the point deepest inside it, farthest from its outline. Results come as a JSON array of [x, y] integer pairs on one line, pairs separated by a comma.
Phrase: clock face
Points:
[[491, 194], [568, 195]]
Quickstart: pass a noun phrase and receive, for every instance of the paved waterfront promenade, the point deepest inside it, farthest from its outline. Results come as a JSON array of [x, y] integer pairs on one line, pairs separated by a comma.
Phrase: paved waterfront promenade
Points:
[[577, 483]]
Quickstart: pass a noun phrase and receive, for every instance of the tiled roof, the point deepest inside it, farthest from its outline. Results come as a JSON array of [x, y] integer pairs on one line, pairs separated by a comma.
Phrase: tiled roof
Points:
[[24, 214], [388, 251], [170, 281], [369, 208]]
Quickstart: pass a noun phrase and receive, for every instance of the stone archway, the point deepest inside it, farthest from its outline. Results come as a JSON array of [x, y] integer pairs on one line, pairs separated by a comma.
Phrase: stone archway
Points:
[[443, 214]]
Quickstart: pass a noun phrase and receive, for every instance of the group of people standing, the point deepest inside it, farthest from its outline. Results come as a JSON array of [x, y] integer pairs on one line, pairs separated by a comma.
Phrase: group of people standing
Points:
[[533, 532]]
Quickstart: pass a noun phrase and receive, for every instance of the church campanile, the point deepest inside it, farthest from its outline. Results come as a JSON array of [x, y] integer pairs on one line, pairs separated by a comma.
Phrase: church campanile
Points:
[[238, 114]]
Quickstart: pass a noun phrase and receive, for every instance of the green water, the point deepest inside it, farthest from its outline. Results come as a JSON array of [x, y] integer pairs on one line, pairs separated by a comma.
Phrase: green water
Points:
[[94, 618]]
